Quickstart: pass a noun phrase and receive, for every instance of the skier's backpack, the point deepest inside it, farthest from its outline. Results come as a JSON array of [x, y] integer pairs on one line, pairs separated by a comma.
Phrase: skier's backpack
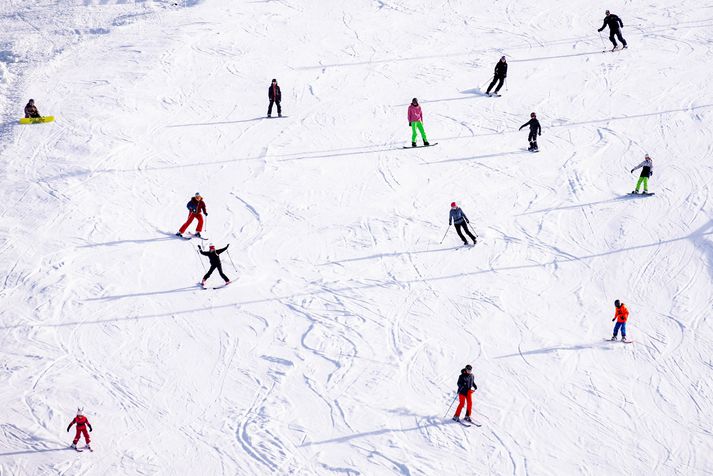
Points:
[[191, 206]]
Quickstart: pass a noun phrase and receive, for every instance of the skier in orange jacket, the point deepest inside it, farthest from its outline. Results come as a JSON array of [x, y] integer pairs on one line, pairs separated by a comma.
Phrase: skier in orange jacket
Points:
[[620, 316]]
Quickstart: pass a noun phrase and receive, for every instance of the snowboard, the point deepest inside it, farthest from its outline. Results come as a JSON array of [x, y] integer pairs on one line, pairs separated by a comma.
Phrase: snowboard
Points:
[[420, 146], [276, 117], [622, 341], [647, 194], [36, 120]]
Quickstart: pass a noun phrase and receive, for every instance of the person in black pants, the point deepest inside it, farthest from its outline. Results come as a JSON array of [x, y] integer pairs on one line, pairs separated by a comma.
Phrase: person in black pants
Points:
[[275, 97], [535, 130], [615, 24], [457, 217], [501, 72], [212, 255]]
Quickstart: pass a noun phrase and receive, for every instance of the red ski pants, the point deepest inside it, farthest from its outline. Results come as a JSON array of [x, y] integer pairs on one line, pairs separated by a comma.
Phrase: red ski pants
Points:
[[191, 217], [81, 431], [462, 399]]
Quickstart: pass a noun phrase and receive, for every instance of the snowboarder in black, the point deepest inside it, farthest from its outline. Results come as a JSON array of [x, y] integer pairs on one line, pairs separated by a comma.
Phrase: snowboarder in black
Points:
[[501, 72], [31, 109], [212, 255], [458, 218], [535, 130], [615, 25], [275, 97], [466, 386]]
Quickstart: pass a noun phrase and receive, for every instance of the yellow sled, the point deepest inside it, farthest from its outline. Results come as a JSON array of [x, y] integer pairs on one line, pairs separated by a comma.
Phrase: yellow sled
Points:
[[36, 120]]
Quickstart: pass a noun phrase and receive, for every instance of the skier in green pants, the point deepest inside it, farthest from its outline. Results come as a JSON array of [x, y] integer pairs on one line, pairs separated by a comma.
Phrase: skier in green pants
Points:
[[647, 170], [415, 120]]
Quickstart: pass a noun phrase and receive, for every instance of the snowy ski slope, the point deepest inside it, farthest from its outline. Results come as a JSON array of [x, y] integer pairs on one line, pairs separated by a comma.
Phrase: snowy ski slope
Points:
[[338, 348]]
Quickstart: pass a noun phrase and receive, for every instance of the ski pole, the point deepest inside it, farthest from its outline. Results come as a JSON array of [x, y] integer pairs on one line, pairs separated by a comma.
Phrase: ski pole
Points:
[[602, 38], [444, 235], [450, 406], [231, 261], [491, 78], [199, 259]]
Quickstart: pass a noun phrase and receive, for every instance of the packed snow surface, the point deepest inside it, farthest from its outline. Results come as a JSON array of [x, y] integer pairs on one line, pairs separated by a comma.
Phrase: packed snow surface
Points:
[[337, 349]]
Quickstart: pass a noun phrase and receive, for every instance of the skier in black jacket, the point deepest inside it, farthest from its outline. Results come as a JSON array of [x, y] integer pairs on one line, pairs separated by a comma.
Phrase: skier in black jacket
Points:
[[501, 72], [212, 255], [275, 96], [466, 386], [535, 130], [615, 24]]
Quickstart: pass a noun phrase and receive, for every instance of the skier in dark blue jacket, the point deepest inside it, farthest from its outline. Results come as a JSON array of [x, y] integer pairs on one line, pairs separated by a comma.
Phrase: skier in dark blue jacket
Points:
[[458, 218], [615, 25]]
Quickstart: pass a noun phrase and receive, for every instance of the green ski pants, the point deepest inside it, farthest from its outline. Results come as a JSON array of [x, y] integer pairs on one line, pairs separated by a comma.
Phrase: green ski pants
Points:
[[645, 181], [418, 125]]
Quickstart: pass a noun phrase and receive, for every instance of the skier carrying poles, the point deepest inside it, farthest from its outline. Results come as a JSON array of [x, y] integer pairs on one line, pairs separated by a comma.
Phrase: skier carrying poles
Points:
[[195, 206], [460, 220], [215, 263], [466, 387], [615, 25], [501, 72]]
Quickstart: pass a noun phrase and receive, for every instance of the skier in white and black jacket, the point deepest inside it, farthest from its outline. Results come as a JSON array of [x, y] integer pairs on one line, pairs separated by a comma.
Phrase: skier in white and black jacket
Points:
[[647, 170]]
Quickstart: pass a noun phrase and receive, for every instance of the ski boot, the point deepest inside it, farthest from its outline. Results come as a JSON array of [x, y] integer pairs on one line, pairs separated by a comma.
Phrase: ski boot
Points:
[[613, 338], [456, 418], [635, 192], [179, 234], [624, 47], [228, 282], [198, 235], [413, 144], [279, 114], [89, 447], [73, 446], [467, 418], [269, 116], [203, 283], [426, 144]]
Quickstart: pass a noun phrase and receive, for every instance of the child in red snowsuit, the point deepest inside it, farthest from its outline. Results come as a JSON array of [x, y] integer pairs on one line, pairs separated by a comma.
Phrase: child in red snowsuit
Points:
[[82, 424], [195, 207]]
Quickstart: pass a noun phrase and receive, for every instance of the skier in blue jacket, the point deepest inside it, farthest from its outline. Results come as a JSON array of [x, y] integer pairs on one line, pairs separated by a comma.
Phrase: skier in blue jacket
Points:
[[458, 218]]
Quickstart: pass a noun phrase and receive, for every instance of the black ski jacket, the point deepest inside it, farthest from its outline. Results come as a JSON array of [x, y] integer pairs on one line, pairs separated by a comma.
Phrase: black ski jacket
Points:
[[613, 21], [274, 93], [213, 255], [465, 383], [534, 125], [501, 70]]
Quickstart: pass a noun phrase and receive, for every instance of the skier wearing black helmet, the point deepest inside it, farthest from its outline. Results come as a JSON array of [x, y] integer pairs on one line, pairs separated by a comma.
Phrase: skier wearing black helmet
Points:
[[615, 25], [501, 72], [535, 130], [466, 386]]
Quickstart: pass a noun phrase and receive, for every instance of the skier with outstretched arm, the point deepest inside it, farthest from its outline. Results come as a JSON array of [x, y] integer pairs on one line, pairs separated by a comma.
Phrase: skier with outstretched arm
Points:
[[501, 72], [196, 207], [466, 387], [535, 130], [415, 122], [457, 217], [275, 96], [215, 263], [31, 109], [647, 171], [615, 25], [82, 423], [621, 315]]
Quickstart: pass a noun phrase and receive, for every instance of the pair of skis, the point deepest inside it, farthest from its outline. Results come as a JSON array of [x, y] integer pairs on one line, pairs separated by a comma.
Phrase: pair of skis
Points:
[[468, 424], [79, 450]]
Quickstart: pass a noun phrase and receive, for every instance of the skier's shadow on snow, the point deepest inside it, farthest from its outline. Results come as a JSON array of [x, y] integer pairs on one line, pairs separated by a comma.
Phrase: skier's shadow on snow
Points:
[[389, 255], [548, 350], [123, 242], [218, 123], [147, 293], [582, 205], [28, 452], [344, 439]]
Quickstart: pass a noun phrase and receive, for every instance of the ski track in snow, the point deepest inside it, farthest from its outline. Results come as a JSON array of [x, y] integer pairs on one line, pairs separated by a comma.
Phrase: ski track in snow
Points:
[[337, 349]]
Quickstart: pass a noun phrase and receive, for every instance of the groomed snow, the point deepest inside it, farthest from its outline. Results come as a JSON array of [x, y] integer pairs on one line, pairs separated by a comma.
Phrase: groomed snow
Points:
[[337, 349]]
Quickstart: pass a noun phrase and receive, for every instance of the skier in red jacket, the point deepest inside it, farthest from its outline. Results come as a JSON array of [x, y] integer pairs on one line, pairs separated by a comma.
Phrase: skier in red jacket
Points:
[[195, 206], [82, 424]]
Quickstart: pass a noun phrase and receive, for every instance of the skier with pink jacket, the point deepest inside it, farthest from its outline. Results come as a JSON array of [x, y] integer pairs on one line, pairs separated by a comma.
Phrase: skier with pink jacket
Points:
[[415, 121]]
